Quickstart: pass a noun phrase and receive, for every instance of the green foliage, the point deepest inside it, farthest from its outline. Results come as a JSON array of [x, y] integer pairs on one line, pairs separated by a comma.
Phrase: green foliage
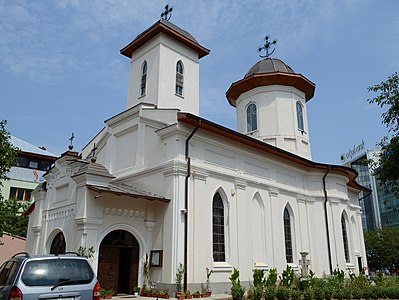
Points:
[[12, 218], [282, 293], [181, 269], [308, 294], [270, 293], [12, 221], [287, 277], [357, 293], [387, 166], [259, 282], [382, 248], [272, 278], [379, 279], [8, 153], [296, 294], [360, 282], [86, 252], [318, 292], [237, 290]]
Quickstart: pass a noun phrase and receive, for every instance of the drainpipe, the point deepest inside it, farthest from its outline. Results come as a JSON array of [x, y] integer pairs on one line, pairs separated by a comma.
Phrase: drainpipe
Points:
[[326, 218], [188, 159]]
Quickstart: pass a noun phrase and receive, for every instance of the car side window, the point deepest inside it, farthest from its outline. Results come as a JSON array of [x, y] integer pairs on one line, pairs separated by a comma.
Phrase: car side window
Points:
[[7, 272]]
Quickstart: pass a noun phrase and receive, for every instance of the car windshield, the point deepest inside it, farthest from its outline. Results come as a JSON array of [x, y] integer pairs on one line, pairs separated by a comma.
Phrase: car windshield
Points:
[[50, 272]]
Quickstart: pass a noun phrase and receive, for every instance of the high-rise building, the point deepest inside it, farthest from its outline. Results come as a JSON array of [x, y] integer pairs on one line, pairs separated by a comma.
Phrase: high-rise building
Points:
[[380, 206]]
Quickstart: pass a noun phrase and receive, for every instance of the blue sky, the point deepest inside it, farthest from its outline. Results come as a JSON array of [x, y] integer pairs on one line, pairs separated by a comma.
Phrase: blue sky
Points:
[[61, 71]]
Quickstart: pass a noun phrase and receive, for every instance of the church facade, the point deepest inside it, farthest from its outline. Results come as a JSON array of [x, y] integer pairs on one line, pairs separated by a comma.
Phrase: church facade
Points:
[[159, 180]]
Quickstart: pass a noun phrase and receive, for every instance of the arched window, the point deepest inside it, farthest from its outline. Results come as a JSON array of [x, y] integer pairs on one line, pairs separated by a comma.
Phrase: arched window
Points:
[[299, 115], [179, 78], [219, 253], [143, 85], [345, 238], [58, 245], [288, 236], [252, 123]]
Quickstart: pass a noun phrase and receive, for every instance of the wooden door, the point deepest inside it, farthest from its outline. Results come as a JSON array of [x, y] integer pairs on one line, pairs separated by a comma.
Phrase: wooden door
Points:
[[108, 267]]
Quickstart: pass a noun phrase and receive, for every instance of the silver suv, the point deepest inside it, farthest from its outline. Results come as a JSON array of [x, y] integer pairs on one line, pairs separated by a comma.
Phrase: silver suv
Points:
[[61, 277]]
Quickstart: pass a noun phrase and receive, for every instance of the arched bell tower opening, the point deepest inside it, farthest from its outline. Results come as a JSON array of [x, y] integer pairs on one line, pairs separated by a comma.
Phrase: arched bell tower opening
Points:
[[118, 262]]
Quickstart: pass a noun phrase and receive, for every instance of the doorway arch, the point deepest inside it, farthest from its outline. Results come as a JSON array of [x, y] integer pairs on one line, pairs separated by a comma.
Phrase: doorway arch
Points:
[[118, 262]]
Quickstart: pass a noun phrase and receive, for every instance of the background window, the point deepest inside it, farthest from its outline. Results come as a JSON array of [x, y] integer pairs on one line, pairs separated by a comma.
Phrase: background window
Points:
[[20, 194]]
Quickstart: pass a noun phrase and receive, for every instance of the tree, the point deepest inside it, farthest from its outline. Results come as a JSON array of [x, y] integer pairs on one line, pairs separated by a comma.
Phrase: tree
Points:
[[12, 218], [8, 158], [386, 168], [8, 153], [382, 248]]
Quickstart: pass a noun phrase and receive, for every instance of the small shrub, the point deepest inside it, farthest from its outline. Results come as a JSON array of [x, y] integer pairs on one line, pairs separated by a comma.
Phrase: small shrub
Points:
[[318, 293], [392, 292], [287, 277], [368, 293], [347, 293], [296, 294], [338, 293], [379, 279], [272, 278], [237, 290], [380, 292], [357, 293], [328, 290], [283, 293], [270, 294], [308, 294]]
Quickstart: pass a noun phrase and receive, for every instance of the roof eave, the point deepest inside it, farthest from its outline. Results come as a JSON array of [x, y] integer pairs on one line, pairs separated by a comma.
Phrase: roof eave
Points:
[[162, 28], [193, 120], [276, 78]]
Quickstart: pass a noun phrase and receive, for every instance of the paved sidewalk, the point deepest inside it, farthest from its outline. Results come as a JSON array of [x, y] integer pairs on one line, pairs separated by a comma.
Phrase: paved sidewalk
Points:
[[213, 297]]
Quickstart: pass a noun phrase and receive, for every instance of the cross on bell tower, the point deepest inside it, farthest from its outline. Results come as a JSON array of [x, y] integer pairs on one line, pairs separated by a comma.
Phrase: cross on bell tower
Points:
[[167, 14]]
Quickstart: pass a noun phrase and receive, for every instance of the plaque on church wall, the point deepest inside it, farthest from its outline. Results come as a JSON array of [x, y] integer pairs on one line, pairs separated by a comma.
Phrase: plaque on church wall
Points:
[[156, 258]]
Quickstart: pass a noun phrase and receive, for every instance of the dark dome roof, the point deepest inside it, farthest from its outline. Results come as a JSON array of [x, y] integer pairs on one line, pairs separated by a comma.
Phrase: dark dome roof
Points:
[[269, 65]]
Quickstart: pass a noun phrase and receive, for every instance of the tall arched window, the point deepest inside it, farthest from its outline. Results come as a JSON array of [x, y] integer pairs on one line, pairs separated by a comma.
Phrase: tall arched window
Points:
[[252, 123], [179, 78], [219, 253], [345, 238], [288, 236], [58, 245], [299, 115], [143, 85]]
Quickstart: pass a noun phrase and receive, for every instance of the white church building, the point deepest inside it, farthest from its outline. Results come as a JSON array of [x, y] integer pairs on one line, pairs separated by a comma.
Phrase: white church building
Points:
[[159, 179]]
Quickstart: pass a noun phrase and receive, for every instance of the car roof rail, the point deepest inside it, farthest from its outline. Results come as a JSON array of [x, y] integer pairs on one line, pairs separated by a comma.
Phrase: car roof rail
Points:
[[71, 252], [26, 254]]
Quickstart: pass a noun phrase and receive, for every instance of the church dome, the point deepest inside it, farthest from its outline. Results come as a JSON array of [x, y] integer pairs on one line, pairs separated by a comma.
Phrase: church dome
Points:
[[269, 65]]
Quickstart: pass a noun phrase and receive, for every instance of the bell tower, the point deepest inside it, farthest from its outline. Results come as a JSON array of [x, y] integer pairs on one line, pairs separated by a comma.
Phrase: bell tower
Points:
[[270, 104], [165, 67]]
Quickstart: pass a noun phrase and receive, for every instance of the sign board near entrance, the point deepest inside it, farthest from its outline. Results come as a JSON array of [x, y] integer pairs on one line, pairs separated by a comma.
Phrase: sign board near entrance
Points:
[[156, 258]]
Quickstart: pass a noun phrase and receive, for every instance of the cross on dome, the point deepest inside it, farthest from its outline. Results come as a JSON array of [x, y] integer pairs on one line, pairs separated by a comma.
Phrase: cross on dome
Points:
[[267, 45]]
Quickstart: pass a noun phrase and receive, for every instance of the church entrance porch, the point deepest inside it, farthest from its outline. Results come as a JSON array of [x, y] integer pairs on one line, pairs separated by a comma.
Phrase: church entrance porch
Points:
[[118, 262]]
